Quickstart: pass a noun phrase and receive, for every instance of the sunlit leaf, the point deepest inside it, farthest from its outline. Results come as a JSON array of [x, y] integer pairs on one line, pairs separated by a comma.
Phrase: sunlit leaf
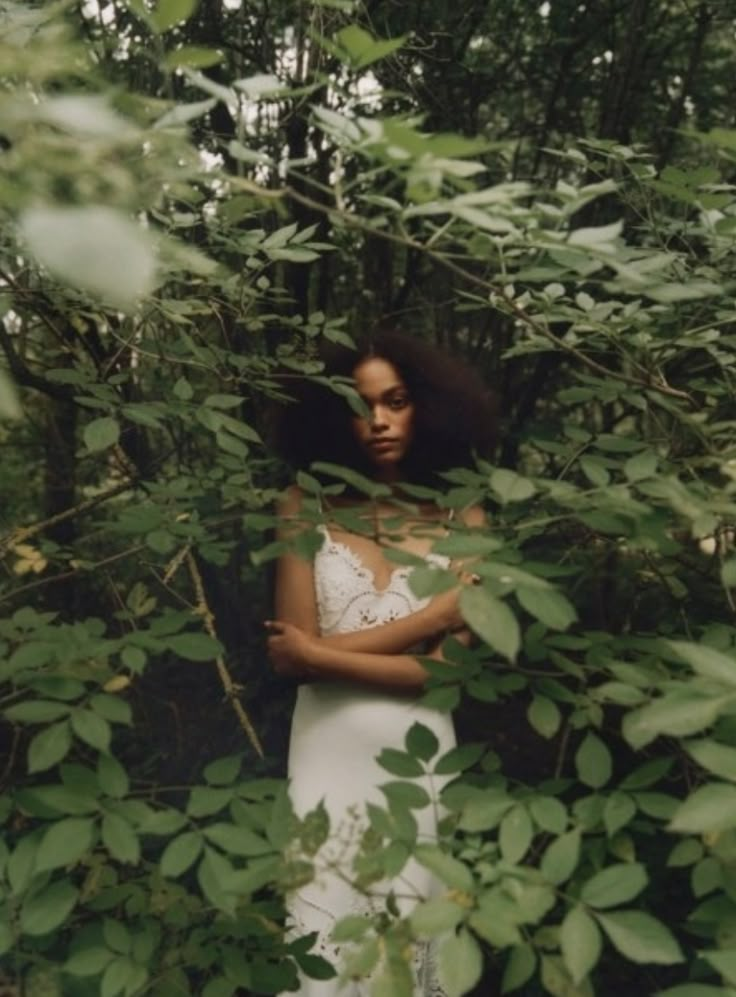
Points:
[[93, 248], [641, 937], [491, 619]]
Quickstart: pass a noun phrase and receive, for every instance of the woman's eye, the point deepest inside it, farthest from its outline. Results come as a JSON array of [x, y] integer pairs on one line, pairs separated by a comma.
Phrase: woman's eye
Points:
[[398, 403]]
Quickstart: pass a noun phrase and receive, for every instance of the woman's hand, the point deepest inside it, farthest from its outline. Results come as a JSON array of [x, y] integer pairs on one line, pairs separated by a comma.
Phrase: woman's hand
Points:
[[292, 652], [447, 605]]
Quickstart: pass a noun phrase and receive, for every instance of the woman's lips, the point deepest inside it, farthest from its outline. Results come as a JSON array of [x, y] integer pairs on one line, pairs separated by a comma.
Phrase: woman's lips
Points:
[[382, 444]]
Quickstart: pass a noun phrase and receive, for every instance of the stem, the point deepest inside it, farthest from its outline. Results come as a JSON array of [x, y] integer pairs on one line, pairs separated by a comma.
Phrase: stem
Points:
[[231, 689]]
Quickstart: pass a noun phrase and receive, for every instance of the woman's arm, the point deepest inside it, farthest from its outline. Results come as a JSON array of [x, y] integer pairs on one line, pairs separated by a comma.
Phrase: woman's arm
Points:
[[298, 654], [372, 655], [296, 603]]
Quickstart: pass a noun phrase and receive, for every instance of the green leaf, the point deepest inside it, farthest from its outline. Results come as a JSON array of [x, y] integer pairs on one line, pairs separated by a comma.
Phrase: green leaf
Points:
[[373, 489], [163, 822], [435, 917], [548, 606], [92, 729], [694, 289], [215, 874], [36, 711], [118, 977], [224, 771], [194, 56], [686, 852], [484, 813], [64, 843], [659, 805], [181, 853], [515, 834], [709, 809], [421, 742], [543, 715], [43, 912], [88, 961], [641, 937], [723, 961], [181, 114], [510, 486], [640, 466], [237, 840], [9, 405], [491, 619], [594, 471], [400, 763], [618, 811], [496, 918], [706, 661], [194, 646], [169, 13], [614, 885], [519, 969], [548, 813], [728, 573], [393, 979], [459, 758], [429, 580], [598, 237], [451, 871], [49, 746], [94, 248], [561, 858], [120, 839], [580, 943], [720, 759], [459, 545], [183, 389], [679, 714], [460, 963], [406, 794], [21, 863], [593, 762], [205, 800], [361, 49], [101, 433], [117, 935], [111, 708], [112, 777]]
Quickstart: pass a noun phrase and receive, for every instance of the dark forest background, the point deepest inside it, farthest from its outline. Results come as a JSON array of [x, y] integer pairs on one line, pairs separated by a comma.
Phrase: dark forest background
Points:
[[194, 197]]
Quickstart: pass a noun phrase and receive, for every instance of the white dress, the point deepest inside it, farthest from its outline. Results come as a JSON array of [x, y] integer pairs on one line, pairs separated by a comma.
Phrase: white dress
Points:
[[337, 731]]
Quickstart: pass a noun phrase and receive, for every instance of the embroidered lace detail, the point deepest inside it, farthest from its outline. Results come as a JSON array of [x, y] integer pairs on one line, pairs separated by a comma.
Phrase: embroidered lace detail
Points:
[[347, 596]]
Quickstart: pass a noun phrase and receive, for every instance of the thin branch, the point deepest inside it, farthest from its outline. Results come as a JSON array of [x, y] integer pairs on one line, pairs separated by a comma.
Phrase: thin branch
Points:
[[466, 275], [23, 533], [65, 575], [231, 689]]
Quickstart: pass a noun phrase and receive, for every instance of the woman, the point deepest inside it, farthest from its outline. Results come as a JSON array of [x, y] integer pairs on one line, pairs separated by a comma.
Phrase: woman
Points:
[[349, 620]]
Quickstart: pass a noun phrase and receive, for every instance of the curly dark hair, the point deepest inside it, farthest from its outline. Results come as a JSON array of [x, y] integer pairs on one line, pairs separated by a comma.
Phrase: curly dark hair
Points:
[[455, 414]]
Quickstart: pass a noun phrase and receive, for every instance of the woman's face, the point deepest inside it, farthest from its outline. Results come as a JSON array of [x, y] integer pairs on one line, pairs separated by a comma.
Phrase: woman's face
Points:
[[386, 436]]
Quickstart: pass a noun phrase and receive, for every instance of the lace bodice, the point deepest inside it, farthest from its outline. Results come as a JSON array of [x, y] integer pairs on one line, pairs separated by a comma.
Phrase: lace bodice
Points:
[[347, 597]]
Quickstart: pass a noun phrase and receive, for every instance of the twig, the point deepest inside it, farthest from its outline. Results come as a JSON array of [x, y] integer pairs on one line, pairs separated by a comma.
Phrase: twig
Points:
[[65, 575], [25, 532], [523, 316], [231, 689]]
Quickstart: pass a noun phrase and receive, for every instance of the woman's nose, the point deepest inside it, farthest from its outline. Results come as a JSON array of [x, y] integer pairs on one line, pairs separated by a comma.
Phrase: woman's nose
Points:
[[379, 419]]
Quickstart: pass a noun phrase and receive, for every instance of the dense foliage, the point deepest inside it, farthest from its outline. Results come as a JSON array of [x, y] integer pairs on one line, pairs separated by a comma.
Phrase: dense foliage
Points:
[[192, 199]]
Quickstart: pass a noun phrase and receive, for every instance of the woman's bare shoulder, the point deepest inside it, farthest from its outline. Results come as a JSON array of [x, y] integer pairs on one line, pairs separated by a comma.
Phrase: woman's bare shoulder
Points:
[[290, 501], [474, 515]]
